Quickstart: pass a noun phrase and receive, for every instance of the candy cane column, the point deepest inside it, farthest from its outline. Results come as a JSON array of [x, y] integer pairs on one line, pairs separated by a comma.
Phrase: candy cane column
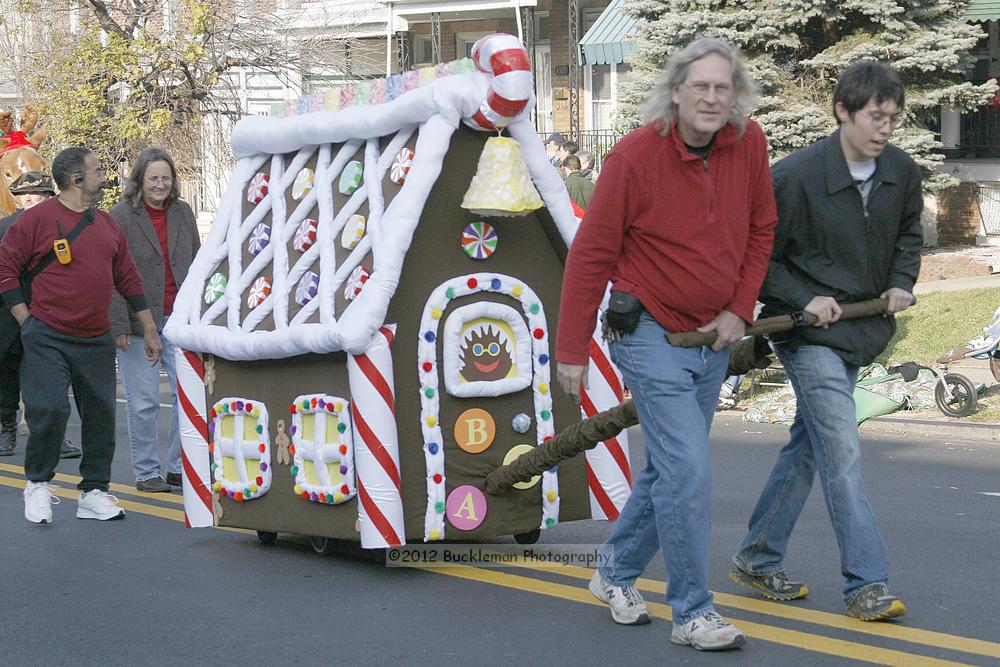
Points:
[[376, 444], [504, 57], [608, 474], [194, 439]]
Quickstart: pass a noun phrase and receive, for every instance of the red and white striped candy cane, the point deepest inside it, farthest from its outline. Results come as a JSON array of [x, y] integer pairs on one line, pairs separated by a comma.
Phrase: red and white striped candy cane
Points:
[[376, 444], [503, 56], [608, 474], [194, 439]]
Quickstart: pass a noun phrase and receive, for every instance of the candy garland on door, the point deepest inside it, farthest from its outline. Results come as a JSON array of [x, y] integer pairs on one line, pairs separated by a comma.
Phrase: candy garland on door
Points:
[[328, 489], [430, 404], [241, 447]]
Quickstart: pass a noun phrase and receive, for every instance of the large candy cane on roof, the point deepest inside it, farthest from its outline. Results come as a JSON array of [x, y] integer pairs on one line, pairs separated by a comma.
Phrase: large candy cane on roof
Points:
[[504, 57], [194, 439], [376, 444]]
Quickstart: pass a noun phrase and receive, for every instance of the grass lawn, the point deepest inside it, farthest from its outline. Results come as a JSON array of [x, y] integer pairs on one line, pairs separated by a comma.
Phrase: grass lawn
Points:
[[939, 322]]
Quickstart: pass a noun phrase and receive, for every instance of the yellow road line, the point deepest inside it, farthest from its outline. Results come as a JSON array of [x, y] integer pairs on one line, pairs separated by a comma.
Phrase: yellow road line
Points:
[[116, 488], [839, 621], [794, 638]]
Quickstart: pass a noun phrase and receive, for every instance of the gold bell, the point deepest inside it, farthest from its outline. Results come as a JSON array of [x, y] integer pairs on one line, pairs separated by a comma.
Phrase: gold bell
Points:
[[502, 185]]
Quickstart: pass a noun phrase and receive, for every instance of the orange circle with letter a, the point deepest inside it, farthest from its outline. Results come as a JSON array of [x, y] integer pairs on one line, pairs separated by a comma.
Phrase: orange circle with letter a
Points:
[[475, 430]]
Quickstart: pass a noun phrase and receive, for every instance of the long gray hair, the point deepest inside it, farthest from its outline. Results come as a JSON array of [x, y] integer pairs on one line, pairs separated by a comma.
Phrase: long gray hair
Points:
[[133, 186], [660, 106]]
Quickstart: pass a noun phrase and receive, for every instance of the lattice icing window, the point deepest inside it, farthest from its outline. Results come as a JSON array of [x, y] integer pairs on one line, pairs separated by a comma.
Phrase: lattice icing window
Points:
[[323, 448], [307, 254], [241, 448]]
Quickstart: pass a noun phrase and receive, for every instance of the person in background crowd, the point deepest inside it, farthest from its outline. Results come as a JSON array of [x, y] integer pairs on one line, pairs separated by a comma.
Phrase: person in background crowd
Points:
[[29, 189], [78, 256], [553, 148], [848, 231], [686, 195], [587, 165], [163, 238], [580, 188]]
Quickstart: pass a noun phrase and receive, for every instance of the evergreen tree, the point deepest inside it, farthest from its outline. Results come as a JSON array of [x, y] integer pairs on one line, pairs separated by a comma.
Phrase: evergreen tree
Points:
[[795, 50]]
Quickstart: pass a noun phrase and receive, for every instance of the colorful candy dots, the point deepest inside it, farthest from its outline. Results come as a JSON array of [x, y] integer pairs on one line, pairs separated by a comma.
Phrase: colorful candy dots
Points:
[[437, 478], [550, 522], [261, 448], [434, 534], [343, 450], [552, 496]]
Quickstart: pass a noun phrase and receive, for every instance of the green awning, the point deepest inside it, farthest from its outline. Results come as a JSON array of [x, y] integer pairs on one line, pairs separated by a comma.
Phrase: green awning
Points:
[[980, 10], [609, 39]]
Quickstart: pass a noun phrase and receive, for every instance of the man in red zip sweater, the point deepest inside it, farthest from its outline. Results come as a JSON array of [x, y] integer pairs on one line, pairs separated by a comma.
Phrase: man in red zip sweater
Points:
[[682, 224], [66, 332]]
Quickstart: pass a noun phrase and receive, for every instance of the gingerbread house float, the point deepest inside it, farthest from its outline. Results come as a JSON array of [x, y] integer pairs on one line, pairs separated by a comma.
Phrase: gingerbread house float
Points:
[[358, 349]]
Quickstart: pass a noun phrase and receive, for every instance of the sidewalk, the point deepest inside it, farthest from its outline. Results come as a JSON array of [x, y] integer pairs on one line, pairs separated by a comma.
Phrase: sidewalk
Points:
[[958, 284]]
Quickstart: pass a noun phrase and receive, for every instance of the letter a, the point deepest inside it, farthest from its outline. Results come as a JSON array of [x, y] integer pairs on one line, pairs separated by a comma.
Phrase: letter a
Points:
[[469, 507]]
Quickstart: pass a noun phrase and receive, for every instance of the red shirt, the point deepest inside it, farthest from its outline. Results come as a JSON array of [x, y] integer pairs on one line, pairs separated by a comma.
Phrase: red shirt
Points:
[[158, 216], [688, 238], [71, 298]]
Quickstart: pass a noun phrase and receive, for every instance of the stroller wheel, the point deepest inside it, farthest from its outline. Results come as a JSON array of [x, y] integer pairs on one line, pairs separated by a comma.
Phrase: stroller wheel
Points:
[[963, 396]]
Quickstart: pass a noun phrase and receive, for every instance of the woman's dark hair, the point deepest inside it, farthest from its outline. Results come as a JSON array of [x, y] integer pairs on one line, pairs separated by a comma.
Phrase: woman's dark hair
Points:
[[859, 83], [133, 186], [70, 161]]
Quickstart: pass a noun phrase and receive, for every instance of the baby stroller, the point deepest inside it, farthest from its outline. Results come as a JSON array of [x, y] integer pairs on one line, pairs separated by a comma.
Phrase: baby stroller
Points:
[[955, 394]]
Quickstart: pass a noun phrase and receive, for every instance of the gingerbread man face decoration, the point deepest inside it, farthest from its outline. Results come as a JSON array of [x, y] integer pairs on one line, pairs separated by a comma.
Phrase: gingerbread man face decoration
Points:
[[485, 356]]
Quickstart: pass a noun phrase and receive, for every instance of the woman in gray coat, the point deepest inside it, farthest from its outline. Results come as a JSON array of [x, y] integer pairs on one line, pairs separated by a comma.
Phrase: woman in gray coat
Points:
[[163, 238]]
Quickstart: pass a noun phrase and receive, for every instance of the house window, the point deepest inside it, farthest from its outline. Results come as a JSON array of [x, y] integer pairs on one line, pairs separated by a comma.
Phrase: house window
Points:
[[323, 454], [241, 448], [542, 34], [601, 92], [423, 51]]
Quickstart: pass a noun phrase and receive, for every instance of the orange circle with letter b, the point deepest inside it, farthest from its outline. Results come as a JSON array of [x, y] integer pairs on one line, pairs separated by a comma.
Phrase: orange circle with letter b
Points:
[[475, 430]]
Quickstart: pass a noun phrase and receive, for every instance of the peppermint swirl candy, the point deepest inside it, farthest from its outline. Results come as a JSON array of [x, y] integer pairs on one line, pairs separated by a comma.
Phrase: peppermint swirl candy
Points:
[[479, 240]]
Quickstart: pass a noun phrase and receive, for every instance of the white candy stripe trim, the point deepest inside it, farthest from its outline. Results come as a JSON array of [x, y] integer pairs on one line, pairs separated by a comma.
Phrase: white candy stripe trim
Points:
[[376, 444], [514, 83], [191, 420], [430, 405], [319, 452]]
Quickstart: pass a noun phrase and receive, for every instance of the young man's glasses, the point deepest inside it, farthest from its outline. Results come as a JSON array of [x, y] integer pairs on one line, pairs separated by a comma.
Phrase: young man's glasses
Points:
[[880, 120], [722, 90]]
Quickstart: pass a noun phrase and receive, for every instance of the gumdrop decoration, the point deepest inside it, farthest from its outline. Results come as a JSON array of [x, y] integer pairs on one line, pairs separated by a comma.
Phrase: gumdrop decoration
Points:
[[305, 235], [521, 423], [303, 183], [357, 279], [479, 240], [351, 177], [259, 291], [401, 166], [258, 188], [260, 237], [216, 288], [307, 288]]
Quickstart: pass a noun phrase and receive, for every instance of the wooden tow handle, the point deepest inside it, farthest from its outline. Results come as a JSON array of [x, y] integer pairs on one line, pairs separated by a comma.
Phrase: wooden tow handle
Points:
[[780, 323]]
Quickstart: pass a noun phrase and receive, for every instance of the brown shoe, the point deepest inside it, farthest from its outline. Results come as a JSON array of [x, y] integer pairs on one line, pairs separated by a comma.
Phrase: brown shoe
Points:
[[174, 479], [154, 485]]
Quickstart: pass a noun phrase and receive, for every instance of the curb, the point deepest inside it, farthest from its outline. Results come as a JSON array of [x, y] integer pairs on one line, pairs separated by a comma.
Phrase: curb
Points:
[[930, 427], [900, 426]]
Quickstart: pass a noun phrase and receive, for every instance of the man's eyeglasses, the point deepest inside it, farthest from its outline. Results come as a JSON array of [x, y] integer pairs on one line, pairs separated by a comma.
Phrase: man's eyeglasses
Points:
[[153, 180], [880, 120], [722, 90]]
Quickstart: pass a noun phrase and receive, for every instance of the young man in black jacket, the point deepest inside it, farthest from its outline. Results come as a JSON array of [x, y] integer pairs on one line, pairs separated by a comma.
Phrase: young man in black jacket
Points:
[[848, 230]]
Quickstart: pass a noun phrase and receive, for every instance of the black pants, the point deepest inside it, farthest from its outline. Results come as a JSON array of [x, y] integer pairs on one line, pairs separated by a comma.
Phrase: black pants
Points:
[[53, 361], [10, 384]]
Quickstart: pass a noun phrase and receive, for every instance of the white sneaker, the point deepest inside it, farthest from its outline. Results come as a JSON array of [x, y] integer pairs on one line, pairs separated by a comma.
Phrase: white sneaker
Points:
[[100, 505], [627, 606], [38, 502], [709, 632]]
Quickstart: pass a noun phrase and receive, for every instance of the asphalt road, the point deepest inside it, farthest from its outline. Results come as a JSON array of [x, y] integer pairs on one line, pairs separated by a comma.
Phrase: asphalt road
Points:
[[149, 591]]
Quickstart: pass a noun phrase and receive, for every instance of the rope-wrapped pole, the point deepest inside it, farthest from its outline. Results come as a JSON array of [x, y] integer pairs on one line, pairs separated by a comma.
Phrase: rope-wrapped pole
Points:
[[780, 323], [569, 442]]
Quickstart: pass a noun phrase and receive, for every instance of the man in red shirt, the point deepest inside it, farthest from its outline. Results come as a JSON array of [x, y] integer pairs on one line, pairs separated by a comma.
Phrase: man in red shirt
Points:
[[681, 223], [66, 332]]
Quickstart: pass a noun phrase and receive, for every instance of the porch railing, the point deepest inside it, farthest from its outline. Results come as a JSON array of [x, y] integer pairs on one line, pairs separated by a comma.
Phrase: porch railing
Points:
[[980, 134], [598, 142]]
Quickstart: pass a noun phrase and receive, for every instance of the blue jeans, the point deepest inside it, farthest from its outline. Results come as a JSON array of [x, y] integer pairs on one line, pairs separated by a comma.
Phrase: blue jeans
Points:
[[142, 393], [823, 438], [675, 390]]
